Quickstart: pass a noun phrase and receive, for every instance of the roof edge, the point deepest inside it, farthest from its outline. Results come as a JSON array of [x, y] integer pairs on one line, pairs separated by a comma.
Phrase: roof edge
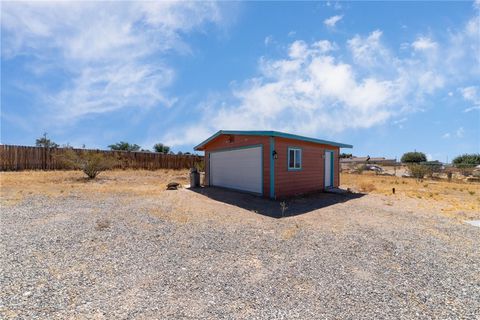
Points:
[[200, 146]]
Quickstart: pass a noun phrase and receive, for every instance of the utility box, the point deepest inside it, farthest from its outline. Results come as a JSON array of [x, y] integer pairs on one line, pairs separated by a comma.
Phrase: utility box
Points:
[[194, 178]]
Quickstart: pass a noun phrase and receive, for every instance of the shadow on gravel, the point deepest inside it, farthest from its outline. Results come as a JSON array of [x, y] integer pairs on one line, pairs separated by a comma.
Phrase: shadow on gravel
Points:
[[272, 208]]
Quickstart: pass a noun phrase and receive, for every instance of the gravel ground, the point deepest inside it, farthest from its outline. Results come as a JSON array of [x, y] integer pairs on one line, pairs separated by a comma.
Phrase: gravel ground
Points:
[[186, 255]]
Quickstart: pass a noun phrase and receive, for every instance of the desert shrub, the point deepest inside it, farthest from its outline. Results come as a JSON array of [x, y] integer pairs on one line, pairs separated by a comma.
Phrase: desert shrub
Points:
[[44, 142], [414, 157], [418, 171], [472, 159], [466, 163], [124, 146], [200, 166], [367, 187], [358, 169], [161, 148], [91, 163], [433, 167]]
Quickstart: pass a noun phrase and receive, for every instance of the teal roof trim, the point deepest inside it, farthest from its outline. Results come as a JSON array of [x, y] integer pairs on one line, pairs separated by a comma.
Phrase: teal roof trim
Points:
[[272, 134]]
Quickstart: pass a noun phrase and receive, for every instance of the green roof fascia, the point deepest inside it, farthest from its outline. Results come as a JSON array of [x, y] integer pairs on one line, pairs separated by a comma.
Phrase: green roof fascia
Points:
[[272, 134]]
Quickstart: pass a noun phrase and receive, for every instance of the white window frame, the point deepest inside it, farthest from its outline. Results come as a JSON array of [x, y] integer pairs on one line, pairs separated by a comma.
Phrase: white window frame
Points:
[[300, 151]]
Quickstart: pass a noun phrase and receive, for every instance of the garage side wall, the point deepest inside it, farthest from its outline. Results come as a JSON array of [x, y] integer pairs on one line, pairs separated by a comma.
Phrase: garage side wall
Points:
[[311, 176], [226, 142]]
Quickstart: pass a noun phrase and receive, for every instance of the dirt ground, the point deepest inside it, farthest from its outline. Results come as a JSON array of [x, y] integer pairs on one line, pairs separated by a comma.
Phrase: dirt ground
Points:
[[123, 247], [455, 199]]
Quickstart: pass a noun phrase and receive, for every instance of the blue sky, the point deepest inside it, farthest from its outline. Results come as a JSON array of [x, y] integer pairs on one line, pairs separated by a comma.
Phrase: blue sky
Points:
[[387, 77]]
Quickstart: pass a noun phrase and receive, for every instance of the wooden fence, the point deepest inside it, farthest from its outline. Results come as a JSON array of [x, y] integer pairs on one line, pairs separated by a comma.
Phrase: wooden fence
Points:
[[14, 158]]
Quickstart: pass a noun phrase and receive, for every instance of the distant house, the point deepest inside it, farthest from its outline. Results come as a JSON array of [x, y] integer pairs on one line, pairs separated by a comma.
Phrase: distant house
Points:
[[270, 163]]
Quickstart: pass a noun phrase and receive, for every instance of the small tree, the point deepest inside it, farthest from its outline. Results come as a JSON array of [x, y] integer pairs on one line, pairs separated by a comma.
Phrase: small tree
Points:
[[418, 171], [466, 163], [472, 159], [44, 142], [124, 146], [345, 155], [414, 157], [91, 163], [161, 148]]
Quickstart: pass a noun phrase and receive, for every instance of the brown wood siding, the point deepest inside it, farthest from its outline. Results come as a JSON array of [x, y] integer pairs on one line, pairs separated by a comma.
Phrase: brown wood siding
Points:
[[223, 142], [311, 177]]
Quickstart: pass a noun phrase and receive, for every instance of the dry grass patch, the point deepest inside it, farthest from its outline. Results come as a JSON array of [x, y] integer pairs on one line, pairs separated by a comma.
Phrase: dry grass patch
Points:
[[366, 187], [14, 186], [452, 198]]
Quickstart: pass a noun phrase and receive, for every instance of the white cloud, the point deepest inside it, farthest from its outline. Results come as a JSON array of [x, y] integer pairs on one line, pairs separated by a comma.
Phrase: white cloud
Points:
[[471, 94], [459, 133], [268, 40], [111, 51], [368, 51], [424, 43], [324, 46], [315, 90], [336, 5], [332, 21], [472, 109], [307, 92]]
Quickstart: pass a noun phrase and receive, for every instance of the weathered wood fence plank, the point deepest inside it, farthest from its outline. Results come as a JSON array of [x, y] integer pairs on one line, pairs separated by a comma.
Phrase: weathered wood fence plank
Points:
[[14, 158]]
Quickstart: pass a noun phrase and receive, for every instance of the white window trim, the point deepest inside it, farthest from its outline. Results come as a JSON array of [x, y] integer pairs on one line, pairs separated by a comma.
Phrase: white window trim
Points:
[[294, 158]]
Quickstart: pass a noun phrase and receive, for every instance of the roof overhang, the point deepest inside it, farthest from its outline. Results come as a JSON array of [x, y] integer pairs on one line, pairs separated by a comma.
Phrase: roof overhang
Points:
[[201, 146]]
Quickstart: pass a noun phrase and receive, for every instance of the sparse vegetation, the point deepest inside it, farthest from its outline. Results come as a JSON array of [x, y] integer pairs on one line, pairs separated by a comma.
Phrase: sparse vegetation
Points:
[[467, 159], [161, 148], [91, 163], [359, 169], [44, 142], [447, 196], [283, 207], [367, 187], [102, 224], [414, 157], [418, 171], [124, 146], [466, 163]]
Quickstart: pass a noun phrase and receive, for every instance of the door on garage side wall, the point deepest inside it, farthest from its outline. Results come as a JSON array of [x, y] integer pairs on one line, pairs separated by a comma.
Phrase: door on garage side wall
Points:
[[328, 169], [239, 169]]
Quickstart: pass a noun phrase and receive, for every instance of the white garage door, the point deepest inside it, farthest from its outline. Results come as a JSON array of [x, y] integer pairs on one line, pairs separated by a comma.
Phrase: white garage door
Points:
[[237, 169]]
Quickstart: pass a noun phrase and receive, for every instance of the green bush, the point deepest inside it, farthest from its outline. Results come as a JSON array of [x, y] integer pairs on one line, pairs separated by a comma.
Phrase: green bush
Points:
[[467, 160], [161, 148], [433, 166], [414, 157], [418, 171], [44, 142], [91, 163], [124, 146]]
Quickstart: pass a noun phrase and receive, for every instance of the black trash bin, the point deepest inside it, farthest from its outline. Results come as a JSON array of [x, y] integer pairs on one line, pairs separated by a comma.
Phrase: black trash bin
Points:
[[194, 178]]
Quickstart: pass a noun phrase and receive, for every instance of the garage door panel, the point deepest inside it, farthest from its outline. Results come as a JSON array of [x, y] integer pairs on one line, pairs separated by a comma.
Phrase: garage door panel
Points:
[[237, 169]]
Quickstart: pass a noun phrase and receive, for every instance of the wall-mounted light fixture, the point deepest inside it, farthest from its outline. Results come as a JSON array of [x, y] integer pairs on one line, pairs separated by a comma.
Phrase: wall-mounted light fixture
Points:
[[275, 154]]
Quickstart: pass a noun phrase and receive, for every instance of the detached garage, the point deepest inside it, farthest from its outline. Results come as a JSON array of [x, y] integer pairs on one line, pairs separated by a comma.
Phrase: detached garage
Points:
[[270, 163]]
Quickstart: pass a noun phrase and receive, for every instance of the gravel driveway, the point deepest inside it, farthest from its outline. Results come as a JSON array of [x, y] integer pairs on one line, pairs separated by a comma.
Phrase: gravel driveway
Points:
[[186, 255]]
